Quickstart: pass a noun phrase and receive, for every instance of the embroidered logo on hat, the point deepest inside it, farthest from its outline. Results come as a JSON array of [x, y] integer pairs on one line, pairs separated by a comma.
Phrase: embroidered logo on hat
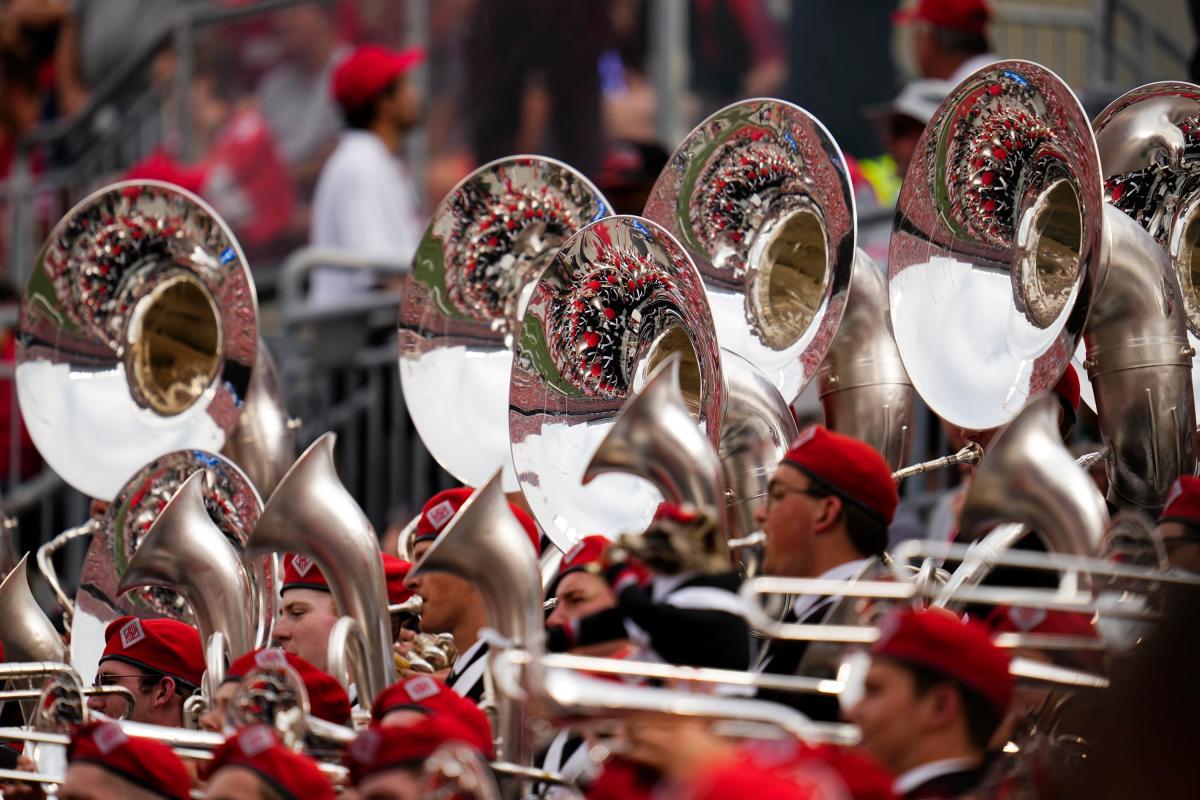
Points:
[[805, 436], [270, 657], [440, 514], [255, 740], [574, 552], [366, 746], [132, 633], [1026, 619], [109, 737], [302, 564], [887, 628], [421, 688], [1176, 490]]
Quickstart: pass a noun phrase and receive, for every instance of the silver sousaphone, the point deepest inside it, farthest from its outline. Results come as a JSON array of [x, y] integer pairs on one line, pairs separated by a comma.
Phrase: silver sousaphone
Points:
[[1004, 254], [488, 242], [620, 297]]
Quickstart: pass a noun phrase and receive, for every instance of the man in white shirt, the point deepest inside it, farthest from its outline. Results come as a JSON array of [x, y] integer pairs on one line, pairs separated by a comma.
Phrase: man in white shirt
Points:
[[949, 37], [365, 202], [829, 504], [935, 695]]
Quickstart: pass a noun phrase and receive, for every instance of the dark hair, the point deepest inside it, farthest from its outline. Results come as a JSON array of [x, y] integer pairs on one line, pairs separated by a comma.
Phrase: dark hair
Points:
[[982, 719], [961, 42], [868, 534], [363, 117]]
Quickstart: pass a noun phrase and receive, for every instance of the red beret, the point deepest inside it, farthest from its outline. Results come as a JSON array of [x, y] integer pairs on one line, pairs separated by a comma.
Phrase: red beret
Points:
[[287, 772], [441, 508], [584, 556], [368, 71], [159, 645], [1183, 502], [965, 16], [301, 572], [326, 697], [378, 749], [941, 642], [149, 764], [395, 570], [430, 696], [1017, 619], [851, 468]]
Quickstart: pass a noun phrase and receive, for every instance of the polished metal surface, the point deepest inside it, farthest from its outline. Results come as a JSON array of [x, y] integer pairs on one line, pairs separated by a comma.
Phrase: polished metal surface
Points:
[[312, 514], [138, 334], [264, 442], [45, 563], [26, 633], [996, 239], [457, 771], [1028, 476], [619, 297], [487, 243], [186, 552], [485, 544], [865, 391], [8, 544], [971, 453], [760, 197], [756, 431], [232, 504], [655, 438]]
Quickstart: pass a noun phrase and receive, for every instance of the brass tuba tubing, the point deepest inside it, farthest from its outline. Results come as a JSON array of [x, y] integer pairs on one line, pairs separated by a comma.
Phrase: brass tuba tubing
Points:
[[33, 669], [45, 563], [971, 453], [91, 691]]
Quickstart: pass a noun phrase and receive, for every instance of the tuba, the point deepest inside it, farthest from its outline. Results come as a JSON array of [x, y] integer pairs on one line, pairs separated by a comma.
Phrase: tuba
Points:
[[27, 634], [485, 247], [618, 299], [1003, 240], [311, 513], [264, 441]]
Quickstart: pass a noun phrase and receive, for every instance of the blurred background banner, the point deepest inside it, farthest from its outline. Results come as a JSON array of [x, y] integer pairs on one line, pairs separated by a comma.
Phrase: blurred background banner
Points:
[[236, 101]]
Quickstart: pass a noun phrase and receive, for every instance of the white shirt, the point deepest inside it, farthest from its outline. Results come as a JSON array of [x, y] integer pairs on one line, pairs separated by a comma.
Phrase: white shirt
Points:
[[970, 65], [364, 203], [917, 776]]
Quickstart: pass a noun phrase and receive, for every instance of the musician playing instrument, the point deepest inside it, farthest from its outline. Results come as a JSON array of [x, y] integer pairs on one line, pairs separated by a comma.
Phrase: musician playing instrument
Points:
[[936, 692], [579, 590], [1179, 524], [254, 764], [103, 763], [828, 507], [160, 660], [327, 699], [449, 603]]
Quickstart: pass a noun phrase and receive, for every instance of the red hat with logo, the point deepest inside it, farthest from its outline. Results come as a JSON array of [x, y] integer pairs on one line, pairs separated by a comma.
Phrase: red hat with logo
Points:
[[395, 570], [964, 16], [1183, 502], [289, 774], [368, 71], [146, 763], [398, 747], [850, 468], [941, 642], [301, 572], [430, 696], [585, 556], [159, 645], [326, 697], [441, 508]]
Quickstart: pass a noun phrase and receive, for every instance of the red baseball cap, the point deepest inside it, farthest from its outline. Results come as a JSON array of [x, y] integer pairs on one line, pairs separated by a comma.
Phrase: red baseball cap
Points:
[[441, 508], [965, 16], [144, 762], [257, 749], [368, 71], [852, 469], [159, 645], [430, 696], [585, 556], [326, 697], [301, 572], [1183, 502], [378, 749], [941, 642]]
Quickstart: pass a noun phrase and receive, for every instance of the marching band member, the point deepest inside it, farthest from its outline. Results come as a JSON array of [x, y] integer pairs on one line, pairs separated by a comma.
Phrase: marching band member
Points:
[[451, 604], [327, 699], [580, 590], [160, 660], [103, 763], [1179, 524], [934, 697], [828, 508], [386, 763], [676, 611], [253, 764], [308, 612], [414, 700]]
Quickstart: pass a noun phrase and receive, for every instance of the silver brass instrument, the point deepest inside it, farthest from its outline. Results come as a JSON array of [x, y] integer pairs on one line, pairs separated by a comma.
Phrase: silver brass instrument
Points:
[[486, 545], [312, 514], [1002, 250], [264, 442], [619, 297], [486, 245], [27, 634], [138, 334], [971, 453]]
